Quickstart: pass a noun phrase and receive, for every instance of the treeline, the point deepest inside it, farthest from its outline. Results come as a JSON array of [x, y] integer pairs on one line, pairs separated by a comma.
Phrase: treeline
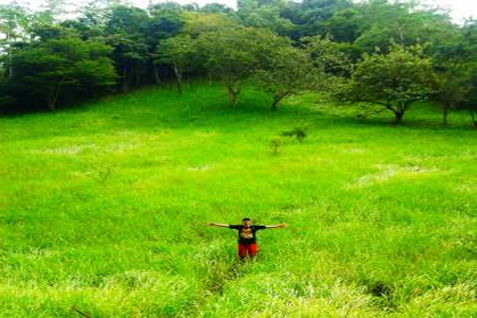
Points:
[[378, 54]]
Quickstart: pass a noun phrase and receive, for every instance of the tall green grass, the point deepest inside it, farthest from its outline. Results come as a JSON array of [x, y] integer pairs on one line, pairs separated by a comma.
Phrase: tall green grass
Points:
[[104, 206]]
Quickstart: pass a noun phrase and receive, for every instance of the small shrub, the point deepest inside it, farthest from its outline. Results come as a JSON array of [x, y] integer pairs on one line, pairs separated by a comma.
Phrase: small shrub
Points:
[[298, 132], [275, 145]]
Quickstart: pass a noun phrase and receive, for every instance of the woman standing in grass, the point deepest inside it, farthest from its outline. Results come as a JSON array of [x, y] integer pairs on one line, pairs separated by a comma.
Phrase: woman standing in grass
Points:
[[247, 242]]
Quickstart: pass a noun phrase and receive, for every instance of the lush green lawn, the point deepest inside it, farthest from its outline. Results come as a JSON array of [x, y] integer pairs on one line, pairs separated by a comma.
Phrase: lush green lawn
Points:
[[104, 206]]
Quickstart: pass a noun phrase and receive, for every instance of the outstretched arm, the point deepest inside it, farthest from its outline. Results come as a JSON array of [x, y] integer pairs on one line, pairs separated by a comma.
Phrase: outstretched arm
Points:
[[276, 226], [218, 224]]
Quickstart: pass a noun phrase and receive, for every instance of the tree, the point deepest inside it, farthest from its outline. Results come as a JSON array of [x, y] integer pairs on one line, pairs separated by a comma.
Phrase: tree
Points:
[[382, 23], [196, 23], [454, 85], [469, 103], [311, 16], [392, 81], [166, 20], [126, 31], [345, 25], [470, 38], [233, 55], [48, 68], [264, 14], [180, 52], [13, 29], [455, 63], [216, 8], [290, 71]]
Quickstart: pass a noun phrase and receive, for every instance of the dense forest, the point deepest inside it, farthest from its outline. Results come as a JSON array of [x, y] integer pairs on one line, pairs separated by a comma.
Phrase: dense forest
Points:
[[382, 54]]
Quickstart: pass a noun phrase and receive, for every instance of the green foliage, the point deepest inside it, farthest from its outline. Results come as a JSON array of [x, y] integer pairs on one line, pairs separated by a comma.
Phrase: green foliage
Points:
[[312, 16], [125, 31], [264, 15], [181, 53], [384, 23], [48, 68], [13, 23], [455, 61], [289, 71], [328, 56], [166, 20], [233, 55], [196, 23], [393, 81]]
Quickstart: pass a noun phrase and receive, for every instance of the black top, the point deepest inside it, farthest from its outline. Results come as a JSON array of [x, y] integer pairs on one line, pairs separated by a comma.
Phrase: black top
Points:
[[246, 235]]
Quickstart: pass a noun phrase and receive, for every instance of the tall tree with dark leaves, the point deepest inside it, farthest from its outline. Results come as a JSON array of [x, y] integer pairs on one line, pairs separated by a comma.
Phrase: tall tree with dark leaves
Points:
[[126, 31], [51, 68]]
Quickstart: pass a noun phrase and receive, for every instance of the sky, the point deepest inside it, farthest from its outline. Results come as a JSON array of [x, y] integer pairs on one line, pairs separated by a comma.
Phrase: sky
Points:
[[459, 9]]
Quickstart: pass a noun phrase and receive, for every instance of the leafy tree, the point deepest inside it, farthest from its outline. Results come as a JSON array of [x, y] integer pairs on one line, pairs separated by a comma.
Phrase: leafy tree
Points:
[[311, 16], [13, 29], [382, 23], [345, 25], [290, 71], [331, 57], [455, 61], [126, 32], [196, 23], [470, 103], [216, 8], [180, 52], [48, 68], [233, 55], [264, 14], [454, 74], [470, 38], [166, 20], [392, 81]]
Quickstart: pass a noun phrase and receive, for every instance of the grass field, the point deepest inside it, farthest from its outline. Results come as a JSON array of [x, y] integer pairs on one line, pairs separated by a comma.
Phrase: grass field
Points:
[[104, 206]]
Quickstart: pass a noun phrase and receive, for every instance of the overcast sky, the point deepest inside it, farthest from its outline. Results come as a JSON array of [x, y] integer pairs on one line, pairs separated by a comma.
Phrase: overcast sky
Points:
[[460, 9]]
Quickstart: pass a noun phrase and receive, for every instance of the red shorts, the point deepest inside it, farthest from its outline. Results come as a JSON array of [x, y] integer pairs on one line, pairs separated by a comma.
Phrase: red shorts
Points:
[[243, 249]]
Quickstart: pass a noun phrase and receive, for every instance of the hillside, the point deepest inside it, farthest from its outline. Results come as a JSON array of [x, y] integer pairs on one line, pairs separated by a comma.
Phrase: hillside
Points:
[[105, 205]]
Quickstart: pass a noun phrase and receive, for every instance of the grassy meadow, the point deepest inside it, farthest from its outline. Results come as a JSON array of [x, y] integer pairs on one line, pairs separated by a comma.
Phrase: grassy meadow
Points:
[[104, 209]]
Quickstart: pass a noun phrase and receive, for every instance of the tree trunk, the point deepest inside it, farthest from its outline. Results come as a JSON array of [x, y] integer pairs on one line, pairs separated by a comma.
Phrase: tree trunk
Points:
[[472, 116], [157, 79], [125, 86], [445, 113], [53, 99], [232, 96], [234, 91], [448, 107], [9, 58], [138, 78], [10, 70], [398, 115], [178, 74], [277, 99]]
